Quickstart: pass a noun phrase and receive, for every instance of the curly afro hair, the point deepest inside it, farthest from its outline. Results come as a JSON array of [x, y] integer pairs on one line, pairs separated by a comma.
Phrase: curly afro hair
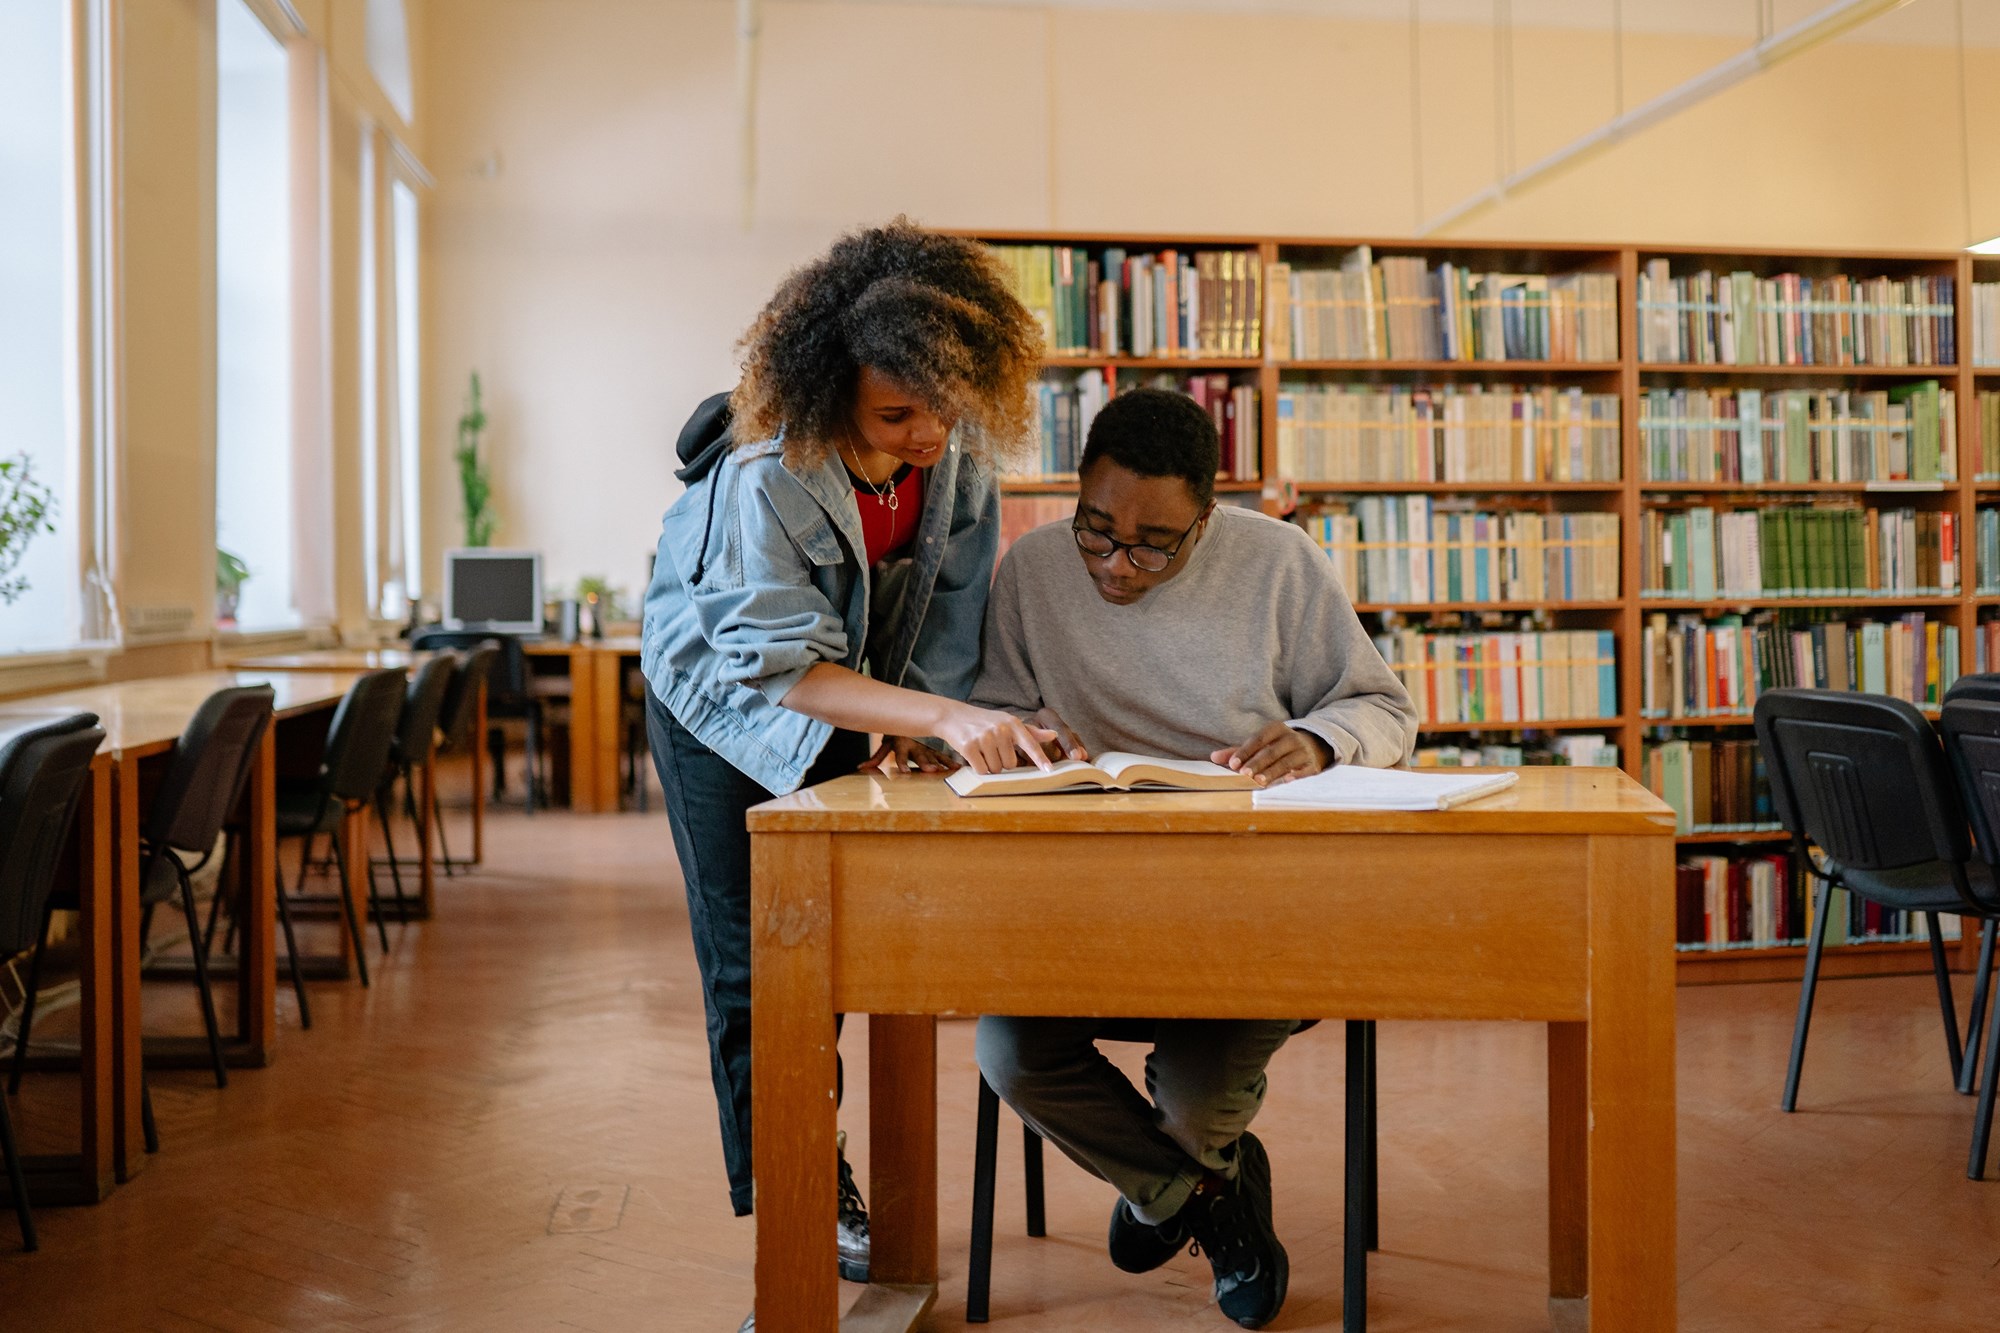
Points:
[[933, 313]]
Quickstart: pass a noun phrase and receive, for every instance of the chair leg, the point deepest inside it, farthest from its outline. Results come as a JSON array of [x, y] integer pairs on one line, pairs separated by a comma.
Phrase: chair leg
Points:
[[1354, 1243], [374, 900], [147, 1125], [201, 977], [496, 757], [28, 1010], [1370, 1136], [1982, 1116], [531, 761], [1031, 1178], [1808, 985], [1942, 971], [292, 946], [17, 1181], [1982, 994], [215, 899], [437, 822], [347, 907], [985, 1149], [395, 870]]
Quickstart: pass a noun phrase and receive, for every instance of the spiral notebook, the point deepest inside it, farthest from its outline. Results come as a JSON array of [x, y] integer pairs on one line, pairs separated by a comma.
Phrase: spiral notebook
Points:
[[1352, 787]]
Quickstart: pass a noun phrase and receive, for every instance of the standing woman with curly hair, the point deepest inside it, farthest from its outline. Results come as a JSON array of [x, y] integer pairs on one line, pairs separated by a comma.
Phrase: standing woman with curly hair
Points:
[[825, 577]]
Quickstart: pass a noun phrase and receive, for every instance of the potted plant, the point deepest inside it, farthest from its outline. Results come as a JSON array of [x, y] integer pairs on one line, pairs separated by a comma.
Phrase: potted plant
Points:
[[25, 507], [230, 573], [474, 482], [597, 602]]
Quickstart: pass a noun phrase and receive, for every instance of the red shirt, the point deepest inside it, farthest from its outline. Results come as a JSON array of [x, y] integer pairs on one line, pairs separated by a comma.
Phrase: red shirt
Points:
[[889, 531]]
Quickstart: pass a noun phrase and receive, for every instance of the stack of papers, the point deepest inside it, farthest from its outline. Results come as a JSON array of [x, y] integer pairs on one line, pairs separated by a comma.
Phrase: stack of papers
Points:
[[1357, 788]]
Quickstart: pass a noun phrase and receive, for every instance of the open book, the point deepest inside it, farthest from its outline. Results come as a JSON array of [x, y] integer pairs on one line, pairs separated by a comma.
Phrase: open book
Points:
[[1108, 772], [1352, 787]]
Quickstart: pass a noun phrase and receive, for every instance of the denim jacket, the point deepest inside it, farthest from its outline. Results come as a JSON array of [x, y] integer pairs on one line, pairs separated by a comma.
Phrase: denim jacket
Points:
[[783, 584]]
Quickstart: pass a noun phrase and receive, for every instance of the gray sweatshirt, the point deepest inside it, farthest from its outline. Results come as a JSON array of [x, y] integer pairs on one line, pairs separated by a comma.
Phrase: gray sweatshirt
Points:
[[1255, 630]]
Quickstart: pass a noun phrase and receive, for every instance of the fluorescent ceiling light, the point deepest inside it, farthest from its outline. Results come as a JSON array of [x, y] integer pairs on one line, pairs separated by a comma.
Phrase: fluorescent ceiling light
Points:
[[1991, 247]]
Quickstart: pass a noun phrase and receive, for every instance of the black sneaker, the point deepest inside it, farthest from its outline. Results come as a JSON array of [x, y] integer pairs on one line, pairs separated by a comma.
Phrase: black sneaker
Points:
[[852, 1228], [1231, 1224], [1140, 1247]]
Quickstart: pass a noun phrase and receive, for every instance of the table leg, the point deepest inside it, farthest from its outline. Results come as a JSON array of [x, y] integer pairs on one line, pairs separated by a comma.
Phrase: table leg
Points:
[[354, 833], [607, 712], [479, 777], [257, 960], [109, 980], [902, 1149], [1627, 1130], [582, 731], [792, 1081], [121, 895], [1569, 1161]]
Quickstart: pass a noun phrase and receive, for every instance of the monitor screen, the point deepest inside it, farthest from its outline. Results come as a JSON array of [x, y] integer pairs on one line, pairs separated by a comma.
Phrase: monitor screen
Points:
[[497, 589]]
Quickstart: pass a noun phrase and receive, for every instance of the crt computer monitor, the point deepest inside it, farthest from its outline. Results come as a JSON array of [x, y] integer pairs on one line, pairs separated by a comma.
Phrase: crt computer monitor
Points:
[[492, 589]]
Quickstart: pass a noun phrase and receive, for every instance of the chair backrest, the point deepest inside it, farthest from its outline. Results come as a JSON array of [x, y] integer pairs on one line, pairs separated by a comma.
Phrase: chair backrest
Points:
[[1983, 685], [363, 730], [422, 703], [42, 772], [1971, 730], [461, 701], [210, 765], [1861, 775], [506, 678]]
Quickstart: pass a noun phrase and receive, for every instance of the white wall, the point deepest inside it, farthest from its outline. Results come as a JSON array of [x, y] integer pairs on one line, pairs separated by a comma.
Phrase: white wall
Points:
[[584, 249]]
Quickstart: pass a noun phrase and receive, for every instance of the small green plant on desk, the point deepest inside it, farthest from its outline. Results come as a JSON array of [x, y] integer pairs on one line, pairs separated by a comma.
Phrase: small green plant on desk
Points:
[[25, 507], [230, 575]]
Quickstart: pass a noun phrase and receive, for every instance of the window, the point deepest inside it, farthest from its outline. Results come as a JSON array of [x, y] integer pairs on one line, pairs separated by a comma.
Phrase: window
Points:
[[253, 426], [38, 315], [409, 469]]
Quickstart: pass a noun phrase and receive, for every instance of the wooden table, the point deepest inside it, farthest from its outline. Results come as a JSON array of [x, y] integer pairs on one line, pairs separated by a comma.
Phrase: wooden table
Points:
[[1550, 903], [90, 1174], [596, 715], [142, 720]]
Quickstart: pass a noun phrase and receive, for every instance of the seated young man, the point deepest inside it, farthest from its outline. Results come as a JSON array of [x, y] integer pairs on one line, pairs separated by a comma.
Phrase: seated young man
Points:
[[1157, 623]]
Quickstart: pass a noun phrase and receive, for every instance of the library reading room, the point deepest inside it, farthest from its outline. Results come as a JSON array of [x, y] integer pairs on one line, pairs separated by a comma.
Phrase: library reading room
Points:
[[1317, 664]]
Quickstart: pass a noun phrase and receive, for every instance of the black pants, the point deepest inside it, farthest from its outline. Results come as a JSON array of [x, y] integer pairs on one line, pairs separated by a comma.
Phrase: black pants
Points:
[[706, 799]]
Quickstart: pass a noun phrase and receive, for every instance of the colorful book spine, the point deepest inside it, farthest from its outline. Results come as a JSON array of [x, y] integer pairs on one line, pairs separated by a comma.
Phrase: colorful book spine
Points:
[[1504, 678], [1848, 552], [1449, 433], [1762, 900], [1697, 668], [1906, 434], [1407, 550], [1113, 302], [1790, 319]]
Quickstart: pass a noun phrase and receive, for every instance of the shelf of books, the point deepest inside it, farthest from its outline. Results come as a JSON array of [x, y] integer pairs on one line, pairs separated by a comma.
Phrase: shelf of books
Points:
[[1589, 500]]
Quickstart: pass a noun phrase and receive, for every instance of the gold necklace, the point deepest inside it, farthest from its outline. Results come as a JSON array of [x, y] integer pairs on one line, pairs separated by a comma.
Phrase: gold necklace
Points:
[[887, 497]]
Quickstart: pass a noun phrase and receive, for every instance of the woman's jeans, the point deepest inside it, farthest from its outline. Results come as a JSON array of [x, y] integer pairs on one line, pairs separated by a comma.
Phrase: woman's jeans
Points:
[[706, 800]]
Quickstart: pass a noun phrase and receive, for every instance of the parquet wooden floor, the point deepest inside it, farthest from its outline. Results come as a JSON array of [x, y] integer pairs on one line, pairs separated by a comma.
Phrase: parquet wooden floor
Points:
[[513, 1130]]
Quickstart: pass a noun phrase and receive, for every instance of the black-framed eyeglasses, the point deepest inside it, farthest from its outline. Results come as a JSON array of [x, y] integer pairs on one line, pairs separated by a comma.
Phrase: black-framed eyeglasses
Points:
[[1150, 559]]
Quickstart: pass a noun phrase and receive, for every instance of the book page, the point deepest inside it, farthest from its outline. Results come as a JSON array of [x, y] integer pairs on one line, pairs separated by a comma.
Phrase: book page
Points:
[[1116, 762]]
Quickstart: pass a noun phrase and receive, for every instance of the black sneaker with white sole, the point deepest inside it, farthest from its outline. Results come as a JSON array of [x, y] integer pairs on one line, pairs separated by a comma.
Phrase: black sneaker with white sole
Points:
[[1231, 1224], [1140, 1247], [852, 1234]]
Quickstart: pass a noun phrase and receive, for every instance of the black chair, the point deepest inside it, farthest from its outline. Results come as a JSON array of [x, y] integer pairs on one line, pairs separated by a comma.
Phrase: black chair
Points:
[[509, 695], [416, 731], [1983, 687], [1864, 778], [460, 714], [1362, 1214], [1971, 728], [357, 752], [42, 773], [204, 781]]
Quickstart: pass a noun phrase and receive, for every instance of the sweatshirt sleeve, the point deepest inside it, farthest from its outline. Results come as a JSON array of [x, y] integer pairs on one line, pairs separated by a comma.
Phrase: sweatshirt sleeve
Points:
[[1006, 680], [1342, 690]]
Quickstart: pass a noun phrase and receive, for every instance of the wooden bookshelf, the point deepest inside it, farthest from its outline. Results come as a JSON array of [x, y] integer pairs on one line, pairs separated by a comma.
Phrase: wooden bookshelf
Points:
[[1629, 496]]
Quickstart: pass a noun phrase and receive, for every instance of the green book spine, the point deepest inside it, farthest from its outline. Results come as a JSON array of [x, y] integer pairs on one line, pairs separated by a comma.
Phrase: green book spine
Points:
[[1857, 554]]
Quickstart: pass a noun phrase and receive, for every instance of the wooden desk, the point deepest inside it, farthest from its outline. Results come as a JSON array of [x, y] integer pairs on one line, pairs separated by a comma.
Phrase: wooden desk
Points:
[[1551, 903], [142, 720], [596, 715], [89, 1175]]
